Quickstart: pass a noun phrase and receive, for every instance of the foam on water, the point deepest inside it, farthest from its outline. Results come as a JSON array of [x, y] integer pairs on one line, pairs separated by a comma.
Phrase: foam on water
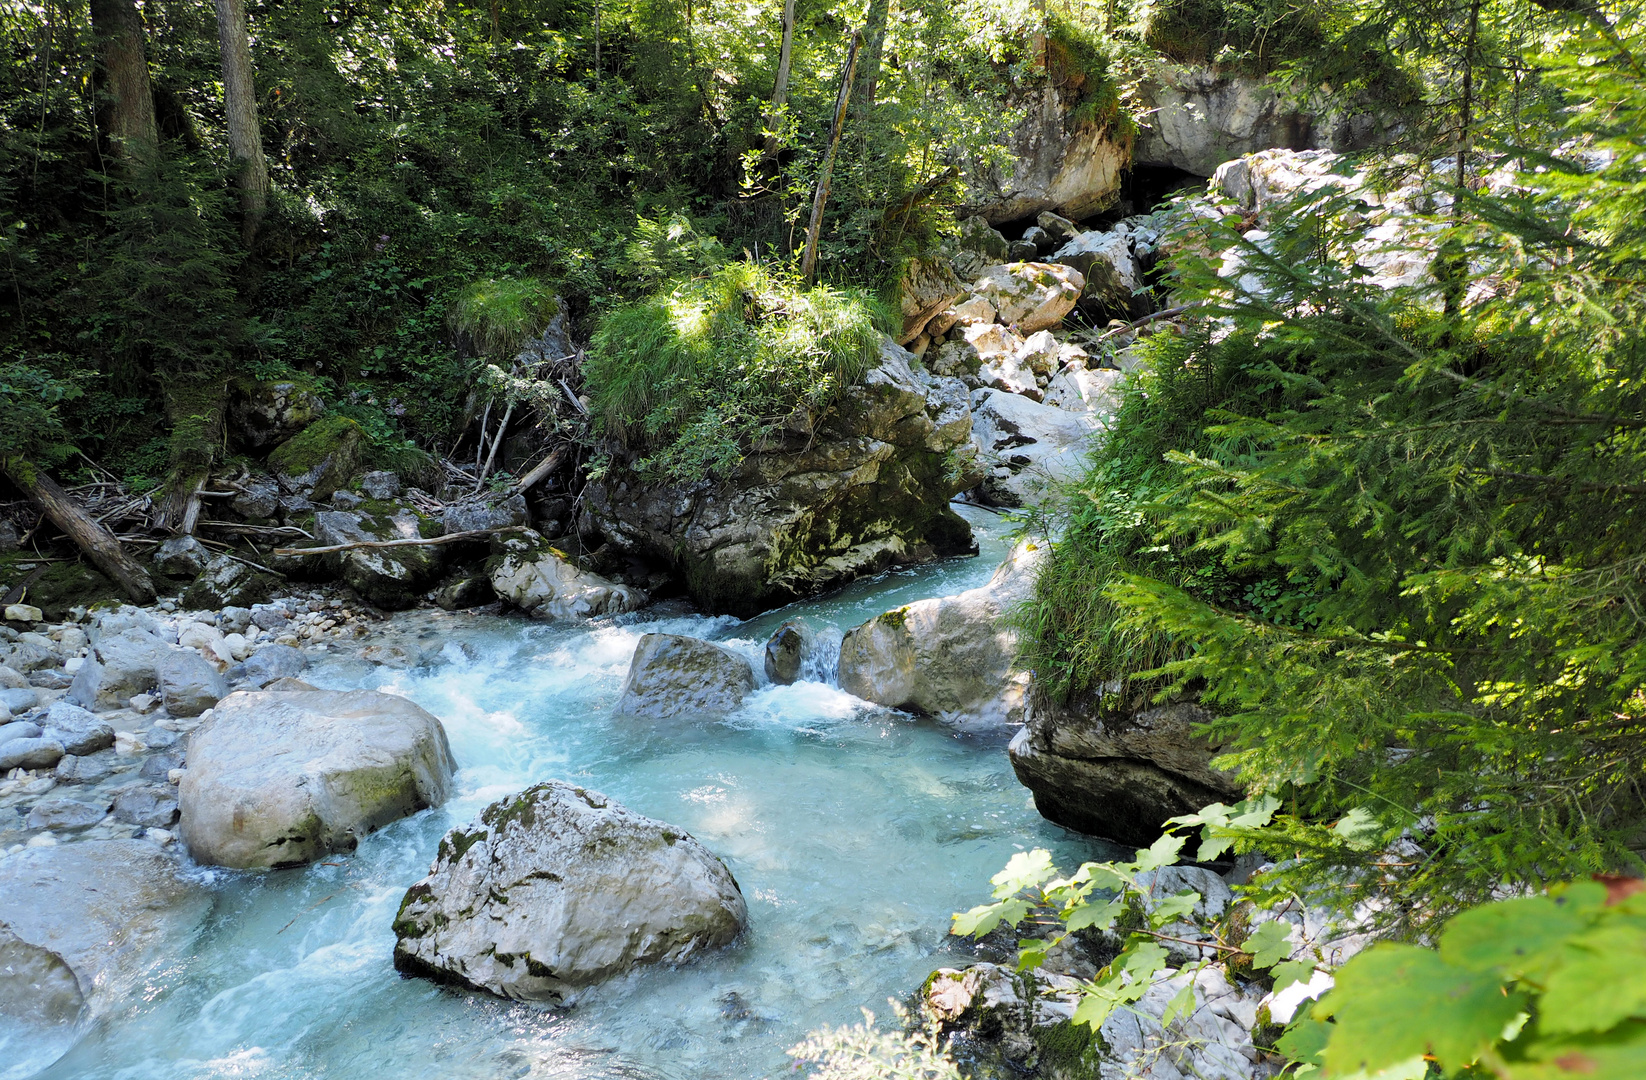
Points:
[[853, 831]]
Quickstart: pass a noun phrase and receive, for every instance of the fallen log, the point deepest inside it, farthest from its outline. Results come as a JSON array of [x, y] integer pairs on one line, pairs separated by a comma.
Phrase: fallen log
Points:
[[540, 470], [449, 538], [89, 535]]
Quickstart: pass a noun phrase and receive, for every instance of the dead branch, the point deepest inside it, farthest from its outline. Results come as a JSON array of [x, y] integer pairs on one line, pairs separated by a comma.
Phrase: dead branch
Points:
[[449, 538]]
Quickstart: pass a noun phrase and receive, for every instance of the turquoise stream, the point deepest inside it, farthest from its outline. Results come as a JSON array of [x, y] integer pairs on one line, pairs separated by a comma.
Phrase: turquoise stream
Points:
[[853, 831]]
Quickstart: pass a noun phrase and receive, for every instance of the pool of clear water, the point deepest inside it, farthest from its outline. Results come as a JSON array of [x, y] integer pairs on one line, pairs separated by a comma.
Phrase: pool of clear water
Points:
[[854, 832]]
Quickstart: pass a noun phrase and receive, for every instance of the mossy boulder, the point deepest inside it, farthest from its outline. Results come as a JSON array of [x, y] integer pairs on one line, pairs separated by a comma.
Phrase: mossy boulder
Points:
[[319, 460], [265, 413], [529, 573], [56, 587], [860, 488], [390, 578], [227, 582]]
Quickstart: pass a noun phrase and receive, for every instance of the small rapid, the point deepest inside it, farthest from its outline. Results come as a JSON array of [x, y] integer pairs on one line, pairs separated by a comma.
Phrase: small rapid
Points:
[[853, 831]]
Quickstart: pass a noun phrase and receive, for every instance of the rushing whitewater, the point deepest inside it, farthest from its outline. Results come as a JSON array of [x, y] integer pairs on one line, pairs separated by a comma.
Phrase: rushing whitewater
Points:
[[853, 831]]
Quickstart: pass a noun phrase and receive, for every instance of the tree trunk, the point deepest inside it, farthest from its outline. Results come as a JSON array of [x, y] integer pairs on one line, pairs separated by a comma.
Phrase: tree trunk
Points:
[[98, 544], [874, 39], [780, 89], [128, 118], [240, 106], [808, 261], [195, 409]]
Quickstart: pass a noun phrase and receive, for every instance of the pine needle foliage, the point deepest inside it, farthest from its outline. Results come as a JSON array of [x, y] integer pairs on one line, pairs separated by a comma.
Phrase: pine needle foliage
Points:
[[689, 378], [1439, 490]]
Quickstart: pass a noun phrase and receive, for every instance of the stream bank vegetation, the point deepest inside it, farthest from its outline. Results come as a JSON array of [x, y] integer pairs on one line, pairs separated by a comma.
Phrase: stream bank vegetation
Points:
[[1392, 538]]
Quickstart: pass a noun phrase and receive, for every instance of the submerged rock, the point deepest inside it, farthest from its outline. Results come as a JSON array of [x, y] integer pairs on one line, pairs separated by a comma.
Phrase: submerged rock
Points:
[[80, 924], [559, 888], [1118, 775], [862, 487], [277, 778], [530, 574], [672, 676], [953, 657]]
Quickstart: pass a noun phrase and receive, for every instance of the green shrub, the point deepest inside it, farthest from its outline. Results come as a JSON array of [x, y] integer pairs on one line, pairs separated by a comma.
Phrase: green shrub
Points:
[[690, 377]]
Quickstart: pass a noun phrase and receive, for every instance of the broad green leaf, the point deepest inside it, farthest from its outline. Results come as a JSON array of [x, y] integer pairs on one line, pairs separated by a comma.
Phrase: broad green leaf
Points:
[[1173, 908], [1213, 846], [1140, 961], [1031, 953], [1359, 829], [1305, 1041], [1617, 1055], [1519, 937], [1393, 1002], [1270, 943], [1162, 853], [1292, 971], [1255, 813], [1099, 876], [1413, 1068], [1024, 870], [1599, 981], [1182, 1004], [1214, 814], [980, 920], [1095, 916], [1095, 1007]]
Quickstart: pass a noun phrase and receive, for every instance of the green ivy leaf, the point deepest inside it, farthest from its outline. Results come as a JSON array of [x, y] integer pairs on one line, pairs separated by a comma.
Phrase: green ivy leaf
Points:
[[1521, 937], [1182, 1003], [1024, 870], [1617, 1055], [980, 920], [1305, 1041], [1270, 943], [1095, 916], [1162, 853], [1292, 971], [1600, 981], [1173, 908], [1394, 1002], [1031, 953], [1359, 829]]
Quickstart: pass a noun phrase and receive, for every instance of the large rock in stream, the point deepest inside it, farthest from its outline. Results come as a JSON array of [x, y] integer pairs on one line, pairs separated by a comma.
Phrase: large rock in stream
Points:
[[559, 888], [80, 924], [671, 675], [282, 777], [860, 488], [527, 572], [1118, 774], [390, 578], [952, 657]]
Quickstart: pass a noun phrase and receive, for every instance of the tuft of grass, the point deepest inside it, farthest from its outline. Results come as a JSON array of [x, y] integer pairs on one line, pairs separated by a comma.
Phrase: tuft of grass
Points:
[[692, 376], [497, 316]]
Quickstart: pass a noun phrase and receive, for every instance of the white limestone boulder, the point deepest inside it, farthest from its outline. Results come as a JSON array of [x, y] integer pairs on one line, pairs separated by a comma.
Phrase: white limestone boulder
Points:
[[559, 888], [282, 777]]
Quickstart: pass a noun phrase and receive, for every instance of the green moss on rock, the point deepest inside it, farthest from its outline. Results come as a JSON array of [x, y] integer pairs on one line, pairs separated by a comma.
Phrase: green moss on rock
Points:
[[324, 456]]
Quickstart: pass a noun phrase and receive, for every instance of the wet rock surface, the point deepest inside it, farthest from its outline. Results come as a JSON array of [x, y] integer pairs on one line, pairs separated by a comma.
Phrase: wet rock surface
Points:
[[277, 778], [1118, 774], [952, 657], [559, 888], [672, 675]]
